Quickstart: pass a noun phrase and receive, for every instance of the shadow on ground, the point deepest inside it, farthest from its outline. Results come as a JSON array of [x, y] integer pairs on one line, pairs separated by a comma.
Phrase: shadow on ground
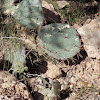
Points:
[[76, 59], [35, 64]]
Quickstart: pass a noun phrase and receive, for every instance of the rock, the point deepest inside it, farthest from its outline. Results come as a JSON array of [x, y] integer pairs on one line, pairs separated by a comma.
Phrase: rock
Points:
[[71, 86], [48, 6], [11, 89], [49, 12], [53, 71], [62, 3], [76, 26], [79, 84], [87, 21], [90, 34], [73, 80], [64, 83], [89, 85], [22, 90], [6, 77], [35, 83]]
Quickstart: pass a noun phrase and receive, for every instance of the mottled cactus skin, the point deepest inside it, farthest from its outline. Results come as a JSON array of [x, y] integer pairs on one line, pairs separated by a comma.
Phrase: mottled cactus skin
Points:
[[29, 14], [59, 40], [8, 6]]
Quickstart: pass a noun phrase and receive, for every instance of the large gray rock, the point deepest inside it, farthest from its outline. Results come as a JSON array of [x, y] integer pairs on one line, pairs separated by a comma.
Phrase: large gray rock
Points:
[[90, 34]]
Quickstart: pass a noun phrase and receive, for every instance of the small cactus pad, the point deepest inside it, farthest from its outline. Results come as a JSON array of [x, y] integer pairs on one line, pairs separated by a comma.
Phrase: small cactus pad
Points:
[[59, 40], [50, 87], [29, 14]]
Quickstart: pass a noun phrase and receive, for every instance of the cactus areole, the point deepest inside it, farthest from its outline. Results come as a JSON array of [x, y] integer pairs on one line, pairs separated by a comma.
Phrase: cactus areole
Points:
[[29, 14], [59, 40]]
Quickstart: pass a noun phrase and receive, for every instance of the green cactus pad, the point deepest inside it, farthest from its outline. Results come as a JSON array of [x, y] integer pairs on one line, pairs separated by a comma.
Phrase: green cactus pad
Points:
[[59, 40], [29, 14], [8, 7]]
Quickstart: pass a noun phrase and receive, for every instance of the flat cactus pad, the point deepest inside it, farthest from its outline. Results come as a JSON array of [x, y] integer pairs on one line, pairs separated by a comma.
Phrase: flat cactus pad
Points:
[[59, 40], [29, 14]]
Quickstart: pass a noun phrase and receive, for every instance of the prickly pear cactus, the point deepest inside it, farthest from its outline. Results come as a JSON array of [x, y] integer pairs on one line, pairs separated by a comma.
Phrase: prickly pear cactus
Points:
[[8, 6], [14, 52], [29, 14], [51, 88], [59, 40]]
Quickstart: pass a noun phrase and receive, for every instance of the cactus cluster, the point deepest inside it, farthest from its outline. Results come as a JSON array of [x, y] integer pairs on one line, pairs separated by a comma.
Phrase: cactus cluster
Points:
[[59, 40]]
